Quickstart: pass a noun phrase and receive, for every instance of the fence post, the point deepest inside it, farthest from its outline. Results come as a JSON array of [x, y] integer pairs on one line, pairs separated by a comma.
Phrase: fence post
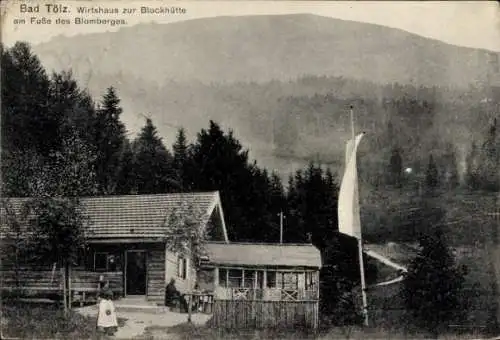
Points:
[[189, 307]]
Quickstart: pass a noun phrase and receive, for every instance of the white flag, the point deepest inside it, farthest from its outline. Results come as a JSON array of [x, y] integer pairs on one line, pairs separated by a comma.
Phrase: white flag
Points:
[[348, 205]]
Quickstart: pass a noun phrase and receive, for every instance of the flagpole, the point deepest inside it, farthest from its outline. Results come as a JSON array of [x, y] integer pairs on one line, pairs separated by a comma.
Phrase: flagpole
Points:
[[360, 244]]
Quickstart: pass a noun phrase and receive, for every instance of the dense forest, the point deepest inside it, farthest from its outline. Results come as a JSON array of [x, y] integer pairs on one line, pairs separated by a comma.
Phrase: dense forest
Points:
[[57, 140]]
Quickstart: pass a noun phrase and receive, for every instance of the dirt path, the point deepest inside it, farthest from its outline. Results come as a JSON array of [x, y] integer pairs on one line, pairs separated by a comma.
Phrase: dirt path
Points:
[[136, 321]]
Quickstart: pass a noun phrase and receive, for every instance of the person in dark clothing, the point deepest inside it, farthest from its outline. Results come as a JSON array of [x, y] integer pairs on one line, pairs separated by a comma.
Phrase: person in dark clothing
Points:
[[171, 294]]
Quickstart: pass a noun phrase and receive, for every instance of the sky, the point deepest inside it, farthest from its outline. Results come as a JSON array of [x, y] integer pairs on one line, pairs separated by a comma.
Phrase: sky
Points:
[[471, 24]]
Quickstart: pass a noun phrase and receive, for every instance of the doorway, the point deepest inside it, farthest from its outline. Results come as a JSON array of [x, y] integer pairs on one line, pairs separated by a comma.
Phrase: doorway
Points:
[[136, 272]]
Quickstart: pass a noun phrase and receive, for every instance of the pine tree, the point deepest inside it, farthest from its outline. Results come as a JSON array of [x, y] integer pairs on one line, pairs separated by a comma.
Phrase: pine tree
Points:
[[432, 175], [75, 107], [219, 162], [277, 205], [181, 161], [152, 163], [491, 159], [26, 120], [296, 208], [451, 173], [110, 140], [472, 172], [432, 287], [396, 168], [126, 179]]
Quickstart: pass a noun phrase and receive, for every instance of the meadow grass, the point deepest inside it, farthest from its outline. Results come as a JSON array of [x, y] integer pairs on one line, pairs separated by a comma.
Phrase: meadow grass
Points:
[[196, 332], [42, 321]]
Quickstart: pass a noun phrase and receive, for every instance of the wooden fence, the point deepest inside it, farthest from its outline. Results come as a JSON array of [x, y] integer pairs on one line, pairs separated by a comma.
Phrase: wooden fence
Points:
[[255, 314], [49, 283], [29, 282], [268, 294]]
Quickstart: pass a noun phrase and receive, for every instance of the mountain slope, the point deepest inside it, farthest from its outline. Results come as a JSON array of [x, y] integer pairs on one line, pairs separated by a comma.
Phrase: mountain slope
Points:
[[168, 72], [260, 48]]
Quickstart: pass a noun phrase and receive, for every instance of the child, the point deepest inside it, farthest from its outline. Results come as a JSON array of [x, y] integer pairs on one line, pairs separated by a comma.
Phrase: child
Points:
[[106, 315]]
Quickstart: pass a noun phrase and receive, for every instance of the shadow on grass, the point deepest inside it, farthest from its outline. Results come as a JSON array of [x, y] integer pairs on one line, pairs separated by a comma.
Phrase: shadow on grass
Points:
[[42, 321]]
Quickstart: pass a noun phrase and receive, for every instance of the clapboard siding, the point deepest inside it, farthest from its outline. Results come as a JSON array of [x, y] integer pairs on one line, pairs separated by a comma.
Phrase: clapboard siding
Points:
[[156, 275]]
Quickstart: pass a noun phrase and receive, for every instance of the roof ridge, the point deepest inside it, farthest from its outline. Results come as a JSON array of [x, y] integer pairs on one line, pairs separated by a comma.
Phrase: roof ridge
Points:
[[213, 192]]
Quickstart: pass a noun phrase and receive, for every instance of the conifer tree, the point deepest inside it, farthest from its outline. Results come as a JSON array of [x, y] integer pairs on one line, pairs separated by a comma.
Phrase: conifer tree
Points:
[[451, 171], [110, 140], [181, 161], [395, 168], [432, 175], [277, 205], [491, 159], [472, 171], [26, 118], [126, 179], [432, 287], [219, 162], [152, 163]]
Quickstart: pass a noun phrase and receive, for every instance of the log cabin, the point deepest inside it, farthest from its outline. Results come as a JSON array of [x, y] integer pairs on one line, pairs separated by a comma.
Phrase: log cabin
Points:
[[126, 247]]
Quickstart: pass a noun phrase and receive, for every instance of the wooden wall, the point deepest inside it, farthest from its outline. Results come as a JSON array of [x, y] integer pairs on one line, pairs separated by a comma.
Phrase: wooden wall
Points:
[[235, 314], [156, 276], [183, 285]]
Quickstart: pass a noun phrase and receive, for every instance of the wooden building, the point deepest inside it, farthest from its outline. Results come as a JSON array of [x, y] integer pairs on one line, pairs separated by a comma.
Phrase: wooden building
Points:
[[262, 285], [127, 247]]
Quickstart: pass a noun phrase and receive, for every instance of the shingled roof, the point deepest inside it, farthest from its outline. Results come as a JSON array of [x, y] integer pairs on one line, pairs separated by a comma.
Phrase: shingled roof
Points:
[[136, 216], [263, 254]]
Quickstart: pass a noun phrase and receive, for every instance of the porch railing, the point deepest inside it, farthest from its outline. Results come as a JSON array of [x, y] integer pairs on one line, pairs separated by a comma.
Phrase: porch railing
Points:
[[266, 294]]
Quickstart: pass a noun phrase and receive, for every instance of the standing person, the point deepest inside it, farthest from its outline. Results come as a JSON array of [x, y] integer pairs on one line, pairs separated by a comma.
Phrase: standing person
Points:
[[107, 322]]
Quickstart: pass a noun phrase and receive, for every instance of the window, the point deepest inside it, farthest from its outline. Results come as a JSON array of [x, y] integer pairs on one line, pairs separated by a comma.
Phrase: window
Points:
[[271, 279], [100, 262], [249, 276], [310, 280], [106, 262], [290, 281], [182, 267], [235, 278], [223, 277]]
